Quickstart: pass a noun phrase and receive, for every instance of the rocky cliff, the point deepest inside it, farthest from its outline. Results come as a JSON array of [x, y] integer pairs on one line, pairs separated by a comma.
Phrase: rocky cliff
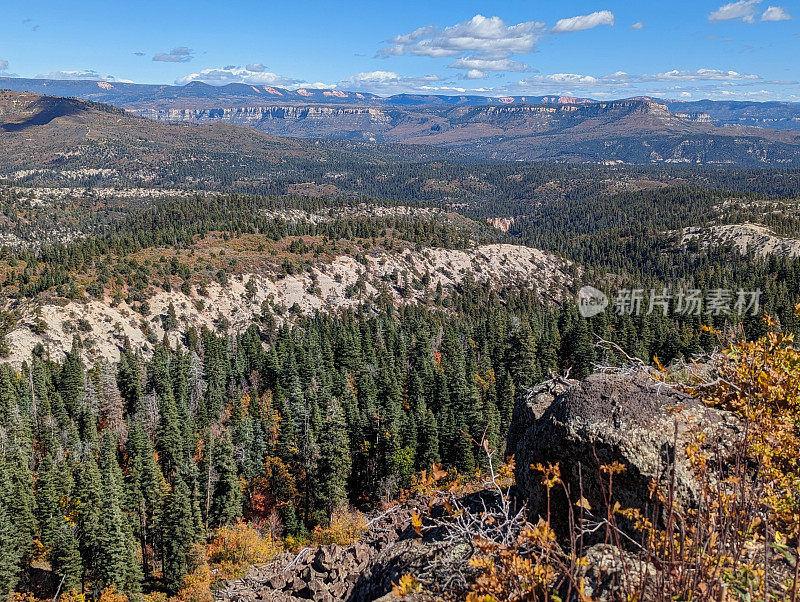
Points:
[[638, 130]]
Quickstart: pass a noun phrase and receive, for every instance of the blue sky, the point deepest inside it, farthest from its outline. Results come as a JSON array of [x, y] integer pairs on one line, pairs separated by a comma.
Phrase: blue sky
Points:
[[690, 49]]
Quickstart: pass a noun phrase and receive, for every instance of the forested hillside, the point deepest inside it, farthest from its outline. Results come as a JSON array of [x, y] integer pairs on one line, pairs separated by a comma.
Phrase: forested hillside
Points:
[[304, 328]]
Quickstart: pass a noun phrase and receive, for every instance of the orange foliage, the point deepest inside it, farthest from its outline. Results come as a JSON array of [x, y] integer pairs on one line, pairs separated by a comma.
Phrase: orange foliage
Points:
[[72, 596], [27, 597], [345, 528], [237, 547], [197, 584], [110, 594], [273, 489]]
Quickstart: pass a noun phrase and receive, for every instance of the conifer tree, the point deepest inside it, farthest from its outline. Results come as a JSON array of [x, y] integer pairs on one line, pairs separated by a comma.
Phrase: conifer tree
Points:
[[145, 487], [226, 505], [10, 553], [65, 555], [179, 534], [116, 563], [333, 467], [71, 379]]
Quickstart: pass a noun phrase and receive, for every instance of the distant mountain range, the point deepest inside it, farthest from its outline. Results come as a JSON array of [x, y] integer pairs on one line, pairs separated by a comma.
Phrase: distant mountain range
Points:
[[199, 94], [196, 95], [545, 128]]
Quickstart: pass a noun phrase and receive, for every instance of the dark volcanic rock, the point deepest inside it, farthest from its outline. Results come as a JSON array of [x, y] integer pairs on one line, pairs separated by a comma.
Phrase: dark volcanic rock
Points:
[[361, 572], [604, 419]]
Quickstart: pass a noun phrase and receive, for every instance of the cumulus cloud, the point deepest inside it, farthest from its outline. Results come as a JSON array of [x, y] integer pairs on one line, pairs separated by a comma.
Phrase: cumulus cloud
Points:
[[745, 10], [699, 83], [700, 75], [584, 22], [388, 82], [489, 64], [232, 74], [382, 81], [621, 79], [81, 74], [637, 26], [775, 13], [181, 54], [480, 37], [475, 74], [3, 65]]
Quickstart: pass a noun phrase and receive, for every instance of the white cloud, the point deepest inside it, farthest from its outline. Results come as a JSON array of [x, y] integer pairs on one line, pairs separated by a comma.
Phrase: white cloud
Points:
[[700, 83], [181, 54], [775, 13], [488, 64], [622, 79], [481, 37], [3, 65], [584, 22], [239, 75], [416, 35], [312, 86], [476, 74], [699, 75], [637, 26], [388, 82], [743, 9], [81, 74]]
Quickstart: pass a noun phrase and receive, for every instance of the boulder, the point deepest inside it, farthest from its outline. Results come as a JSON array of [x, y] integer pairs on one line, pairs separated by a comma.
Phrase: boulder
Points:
[[612, 574], [607, 418]]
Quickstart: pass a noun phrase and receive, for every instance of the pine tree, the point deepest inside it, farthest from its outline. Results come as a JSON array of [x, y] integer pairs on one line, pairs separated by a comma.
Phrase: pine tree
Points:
[[145, 486], [65, 555], [20, 500], [226, 505], [116, 563], [129, 379], [178, 534], [427, 440], [293, 526], [333, 467], [10, 553], [71, 380], [523, 362], [89, 494]]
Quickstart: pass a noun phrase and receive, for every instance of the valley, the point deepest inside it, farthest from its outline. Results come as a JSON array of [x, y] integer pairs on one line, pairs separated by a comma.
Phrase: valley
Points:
[[332, 347]]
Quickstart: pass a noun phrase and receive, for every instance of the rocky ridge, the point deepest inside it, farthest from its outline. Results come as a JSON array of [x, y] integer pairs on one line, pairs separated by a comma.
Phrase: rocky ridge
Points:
[[361, 572], [330, 286], [745, 238]]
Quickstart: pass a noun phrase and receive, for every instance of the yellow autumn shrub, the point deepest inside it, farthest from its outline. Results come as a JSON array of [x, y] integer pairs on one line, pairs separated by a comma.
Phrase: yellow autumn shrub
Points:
[[346, 527], [197, 584], [760, 381], [236, 547]]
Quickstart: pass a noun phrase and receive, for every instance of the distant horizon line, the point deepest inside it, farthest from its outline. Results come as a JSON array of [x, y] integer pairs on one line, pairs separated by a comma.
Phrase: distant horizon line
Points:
[[509, 98]]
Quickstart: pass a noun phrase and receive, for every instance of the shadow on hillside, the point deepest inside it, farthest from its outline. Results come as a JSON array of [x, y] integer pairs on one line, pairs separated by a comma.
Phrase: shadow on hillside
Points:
[[49, 109]]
